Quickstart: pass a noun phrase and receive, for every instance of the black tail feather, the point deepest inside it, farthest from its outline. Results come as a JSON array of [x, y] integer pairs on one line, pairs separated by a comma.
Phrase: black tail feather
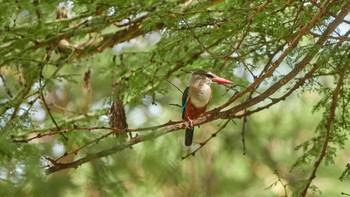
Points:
[[189, 136]]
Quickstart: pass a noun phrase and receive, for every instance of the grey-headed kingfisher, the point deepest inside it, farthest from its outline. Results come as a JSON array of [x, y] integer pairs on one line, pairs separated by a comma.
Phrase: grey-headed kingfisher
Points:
[[196, 97]]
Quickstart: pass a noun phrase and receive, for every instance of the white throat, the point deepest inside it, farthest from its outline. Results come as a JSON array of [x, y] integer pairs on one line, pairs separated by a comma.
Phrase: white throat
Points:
[[200, 94]]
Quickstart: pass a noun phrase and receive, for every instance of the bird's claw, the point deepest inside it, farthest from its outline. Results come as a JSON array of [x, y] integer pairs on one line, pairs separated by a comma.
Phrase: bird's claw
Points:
[[189, 125]]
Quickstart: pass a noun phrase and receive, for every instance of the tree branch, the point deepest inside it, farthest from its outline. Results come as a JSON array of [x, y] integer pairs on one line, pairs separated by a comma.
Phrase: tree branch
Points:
[[328, 126], [296, 86], [297, 69], [89, 157], [304, 30]]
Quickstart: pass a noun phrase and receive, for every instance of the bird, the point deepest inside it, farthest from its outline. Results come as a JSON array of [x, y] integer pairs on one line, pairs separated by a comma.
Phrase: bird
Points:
[[196, 97]]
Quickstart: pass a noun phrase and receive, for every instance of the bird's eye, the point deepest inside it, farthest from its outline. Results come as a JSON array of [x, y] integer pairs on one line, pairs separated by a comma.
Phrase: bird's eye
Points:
[[209, 75]]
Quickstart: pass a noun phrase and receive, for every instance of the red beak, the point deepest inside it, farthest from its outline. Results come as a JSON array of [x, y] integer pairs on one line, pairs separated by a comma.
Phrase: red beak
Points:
[[220, 80]]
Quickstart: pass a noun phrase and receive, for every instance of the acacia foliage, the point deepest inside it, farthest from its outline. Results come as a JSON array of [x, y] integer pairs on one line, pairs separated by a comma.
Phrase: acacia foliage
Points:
[[68, 61]]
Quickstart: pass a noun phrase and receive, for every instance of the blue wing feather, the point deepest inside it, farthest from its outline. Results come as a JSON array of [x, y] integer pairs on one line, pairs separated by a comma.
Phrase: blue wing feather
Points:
[[184, 101], [189, 131]]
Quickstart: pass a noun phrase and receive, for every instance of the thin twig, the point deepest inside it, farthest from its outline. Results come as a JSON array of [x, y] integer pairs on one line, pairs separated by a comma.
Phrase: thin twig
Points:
[[75, 164], [75, 151], [279, 180], [175, 86], [52, 118], [47, 57], [63, 131], [234, 48], [5, 86], [198, 40], [297, 85], [243, 134], [283, 184], [176, 105], [249, 23], [16, 139], [314, 2]]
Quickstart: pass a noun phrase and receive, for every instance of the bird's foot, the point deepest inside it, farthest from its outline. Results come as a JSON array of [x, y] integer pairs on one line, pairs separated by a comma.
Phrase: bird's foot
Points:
[[189, 125]]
